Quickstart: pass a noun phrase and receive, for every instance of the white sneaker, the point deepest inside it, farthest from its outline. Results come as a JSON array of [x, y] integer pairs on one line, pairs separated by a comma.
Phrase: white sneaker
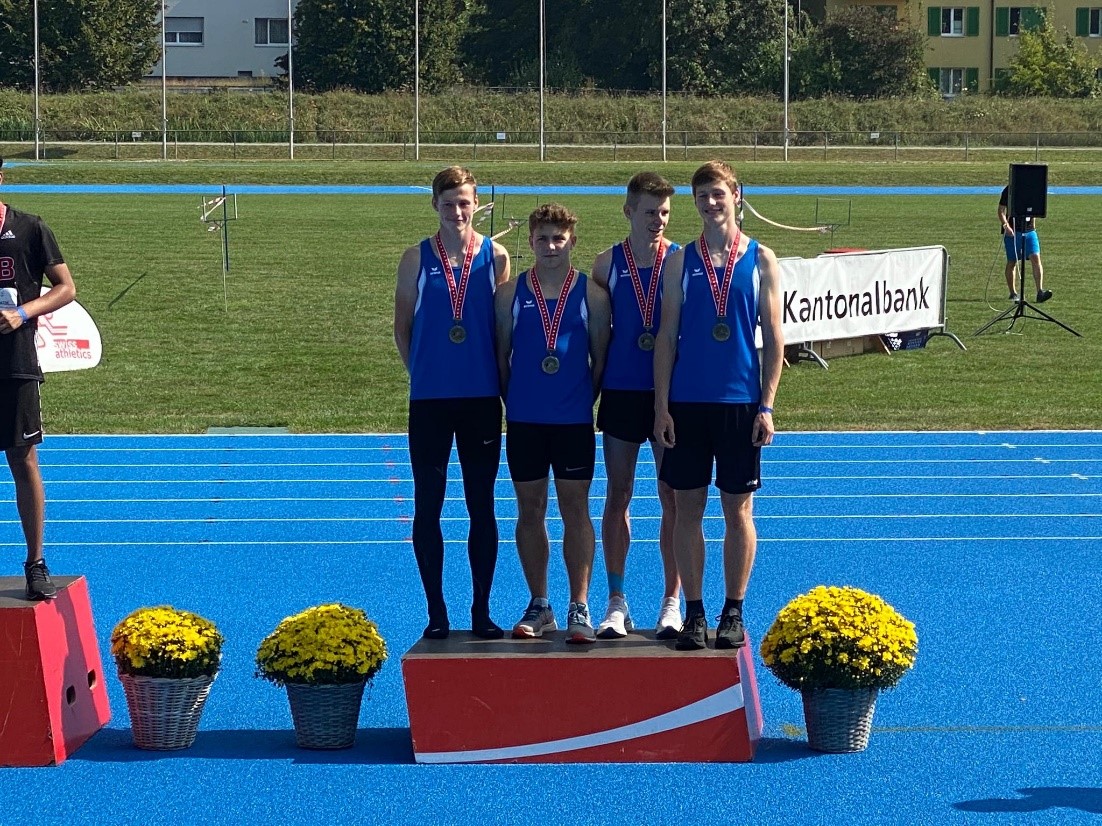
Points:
[[669, 619], [617, 621]]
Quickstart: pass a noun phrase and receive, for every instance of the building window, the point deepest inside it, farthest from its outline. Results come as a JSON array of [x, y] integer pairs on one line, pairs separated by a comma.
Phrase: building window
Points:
[[1095, 27], [951, 83], [184, 31], [271, 31], [1011, 21], [952, 22]]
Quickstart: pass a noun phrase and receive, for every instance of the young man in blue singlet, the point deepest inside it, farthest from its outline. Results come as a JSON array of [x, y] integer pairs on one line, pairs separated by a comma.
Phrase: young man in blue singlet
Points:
[[444, 330], [714, 395], [28, 254], [630, 272], [552, 339]]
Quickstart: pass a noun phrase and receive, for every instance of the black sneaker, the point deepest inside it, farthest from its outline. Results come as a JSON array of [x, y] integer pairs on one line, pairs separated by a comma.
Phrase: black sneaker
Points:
[[438, 627], [39, 584], [1043, 296], [730, 633], [694, 633]]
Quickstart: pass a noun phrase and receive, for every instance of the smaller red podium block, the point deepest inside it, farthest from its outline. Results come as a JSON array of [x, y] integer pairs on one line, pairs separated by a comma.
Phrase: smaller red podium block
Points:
[[52, 690], [635, 700]]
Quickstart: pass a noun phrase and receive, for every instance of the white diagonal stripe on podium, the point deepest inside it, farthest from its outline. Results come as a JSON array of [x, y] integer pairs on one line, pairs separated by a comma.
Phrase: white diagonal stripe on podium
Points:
[[725, 701]]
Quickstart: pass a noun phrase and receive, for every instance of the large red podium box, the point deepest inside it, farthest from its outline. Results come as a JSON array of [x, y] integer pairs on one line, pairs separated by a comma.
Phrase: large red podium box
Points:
[[52, 690], [635, 700]]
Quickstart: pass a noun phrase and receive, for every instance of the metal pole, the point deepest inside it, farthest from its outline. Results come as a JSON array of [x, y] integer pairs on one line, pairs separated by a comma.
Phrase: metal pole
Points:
[[290, 87], [542, 144], [785, 79], [164, 83], [37, 122], [416, 80], [663, 80]]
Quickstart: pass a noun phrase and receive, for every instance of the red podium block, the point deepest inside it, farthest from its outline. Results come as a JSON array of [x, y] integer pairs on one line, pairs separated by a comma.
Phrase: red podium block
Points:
[[52, 690], [539, 701]]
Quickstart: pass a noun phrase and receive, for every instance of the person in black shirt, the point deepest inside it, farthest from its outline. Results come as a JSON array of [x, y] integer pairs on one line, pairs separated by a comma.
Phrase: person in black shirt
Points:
[[1024, 245], [28, 252]]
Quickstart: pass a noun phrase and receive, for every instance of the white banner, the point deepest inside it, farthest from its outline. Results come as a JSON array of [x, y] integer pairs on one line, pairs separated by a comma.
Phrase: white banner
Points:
[[865, 293], [67, 339]]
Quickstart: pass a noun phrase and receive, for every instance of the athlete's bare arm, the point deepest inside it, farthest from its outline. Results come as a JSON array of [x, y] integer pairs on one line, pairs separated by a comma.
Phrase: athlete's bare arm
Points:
[[602, 267], [772, 337], [600, 330], [665, 346], [405, 299], [503, 323], [62, 291], [501, 263]]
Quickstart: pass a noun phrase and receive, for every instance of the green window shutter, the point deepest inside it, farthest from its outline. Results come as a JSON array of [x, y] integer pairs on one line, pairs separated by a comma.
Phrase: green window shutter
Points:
[[935, 77], [1002, 21], [972, 21], [1032, 19], [1082, 22], [933, 21], [972, 80]]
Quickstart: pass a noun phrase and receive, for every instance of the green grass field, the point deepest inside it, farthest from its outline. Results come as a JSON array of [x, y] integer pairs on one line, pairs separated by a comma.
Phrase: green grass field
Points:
[[305, 341]]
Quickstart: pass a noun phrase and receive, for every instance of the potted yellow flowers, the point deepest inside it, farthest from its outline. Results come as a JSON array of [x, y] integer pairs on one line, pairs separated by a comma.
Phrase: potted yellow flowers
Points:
[[167, 660], [324, 656], [839, 646]]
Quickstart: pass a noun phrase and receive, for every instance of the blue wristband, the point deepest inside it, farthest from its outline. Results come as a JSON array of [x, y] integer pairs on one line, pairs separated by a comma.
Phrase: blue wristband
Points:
[[23, 315], [764, 409]]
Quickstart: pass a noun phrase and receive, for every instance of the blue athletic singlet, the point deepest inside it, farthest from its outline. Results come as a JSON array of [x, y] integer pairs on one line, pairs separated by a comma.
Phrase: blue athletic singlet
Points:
[[707, 370], [438, 368], [628, 366], [564, 397]]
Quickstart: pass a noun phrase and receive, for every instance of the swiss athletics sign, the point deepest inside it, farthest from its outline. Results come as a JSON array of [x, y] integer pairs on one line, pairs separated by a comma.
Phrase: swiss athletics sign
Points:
[[67, 339], [867, 293]]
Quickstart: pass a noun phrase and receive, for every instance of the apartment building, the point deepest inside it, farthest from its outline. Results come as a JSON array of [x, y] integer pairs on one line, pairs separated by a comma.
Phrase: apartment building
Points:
[[217, 40], [971, 44]]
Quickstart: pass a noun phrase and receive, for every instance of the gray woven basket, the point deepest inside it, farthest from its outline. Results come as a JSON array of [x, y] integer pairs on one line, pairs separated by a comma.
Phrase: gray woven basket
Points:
[[839, 719], [325, 716], [165, 711]]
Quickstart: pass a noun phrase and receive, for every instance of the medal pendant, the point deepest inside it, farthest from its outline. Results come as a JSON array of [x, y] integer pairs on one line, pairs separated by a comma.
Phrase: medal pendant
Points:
[[646, 341], [550, 365], [457, 334], [721, 331]]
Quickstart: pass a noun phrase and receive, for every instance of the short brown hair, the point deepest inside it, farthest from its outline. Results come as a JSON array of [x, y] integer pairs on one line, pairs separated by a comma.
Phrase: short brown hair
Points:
[[715, 172], [452, 178], [648, 183], [555, 215]]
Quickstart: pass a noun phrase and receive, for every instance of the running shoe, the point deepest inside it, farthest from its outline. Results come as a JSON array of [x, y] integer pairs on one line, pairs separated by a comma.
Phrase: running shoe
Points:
[[669, 619], [1043, 296], [730, 633], [617, 621], [39, 584], [694, 633], [536, 620], [579, 629]]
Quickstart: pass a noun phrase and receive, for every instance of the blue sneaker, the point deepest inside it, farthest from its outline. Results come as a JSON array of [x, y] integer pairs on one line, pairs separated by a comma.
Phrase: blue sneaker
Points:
[[579, 628]]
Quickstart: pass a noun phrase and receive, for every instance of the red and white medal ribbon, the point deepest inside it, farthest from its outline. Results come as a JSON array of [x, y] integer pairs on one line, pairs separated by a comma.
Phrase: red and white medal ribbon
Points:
[[551, 325], [646, 302], [720, 290], [458, 292]]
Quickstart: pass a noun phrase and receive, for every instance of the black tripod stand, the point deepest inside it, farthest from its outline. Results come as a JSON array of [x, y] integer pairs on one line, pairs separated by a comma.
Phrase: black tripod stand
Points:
[[1018, 309]]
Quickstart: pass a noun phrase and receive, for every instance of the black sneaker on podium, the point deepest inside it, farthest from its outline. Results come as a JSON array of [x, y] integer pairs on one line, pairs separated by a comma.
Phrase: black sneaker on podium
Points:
[[39, 584]]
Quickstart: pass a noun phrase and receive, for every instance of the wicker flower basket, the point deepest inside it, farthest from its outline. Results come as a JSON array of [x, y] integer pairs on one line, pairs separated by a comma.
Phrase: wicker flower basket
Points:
[[165, 711], [325, 716], [839, 719]]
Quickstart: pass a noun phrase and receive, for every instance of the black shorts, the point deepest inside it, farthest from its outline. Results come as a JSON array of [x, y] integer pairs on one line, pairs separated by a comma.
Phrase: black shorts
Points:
[[20, 413], [474, 423], [627, 415], [534, 449], [703, 432]]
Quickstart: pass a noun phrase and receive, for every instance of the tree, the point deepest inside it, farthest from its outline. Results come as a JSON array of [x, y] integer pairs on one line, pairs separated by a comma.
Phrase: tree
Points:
[[861, 53], [1051, 65], [83, 44], [368, 45]]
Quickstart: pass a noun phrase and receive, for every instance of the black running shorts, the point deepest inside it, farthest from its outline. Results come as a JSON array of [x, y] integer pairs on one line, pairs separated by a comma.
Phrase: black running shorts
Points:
[[705, 432], [20, 413], [570, 450], [627, 415]]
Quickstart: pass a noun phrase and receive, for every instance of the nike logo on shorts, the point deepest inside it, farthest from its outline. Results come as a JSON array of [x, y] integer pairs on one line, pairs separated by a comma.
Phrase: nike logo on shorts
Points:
[[31, 435], [489, 441], [574, 469]]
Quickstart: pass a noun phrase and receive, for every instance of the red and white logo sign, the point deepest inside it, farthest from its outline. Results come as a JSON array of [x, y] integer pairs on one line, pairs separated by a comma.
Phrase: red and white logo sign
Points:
[[67, 339]]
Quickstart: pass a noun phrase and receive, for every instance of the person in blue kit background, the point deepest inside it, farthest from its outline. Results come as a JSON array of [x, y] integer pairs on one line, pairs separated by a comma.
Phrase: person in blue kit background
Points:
[[1023, 246], [631, 272], [444, 331], [714, 395], [552, 339]]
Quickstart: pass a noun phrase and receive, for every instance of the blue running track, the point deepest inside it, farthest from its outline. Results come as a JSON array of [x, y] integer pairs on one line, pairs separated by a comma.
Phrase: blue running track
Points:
[[989, 542]]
